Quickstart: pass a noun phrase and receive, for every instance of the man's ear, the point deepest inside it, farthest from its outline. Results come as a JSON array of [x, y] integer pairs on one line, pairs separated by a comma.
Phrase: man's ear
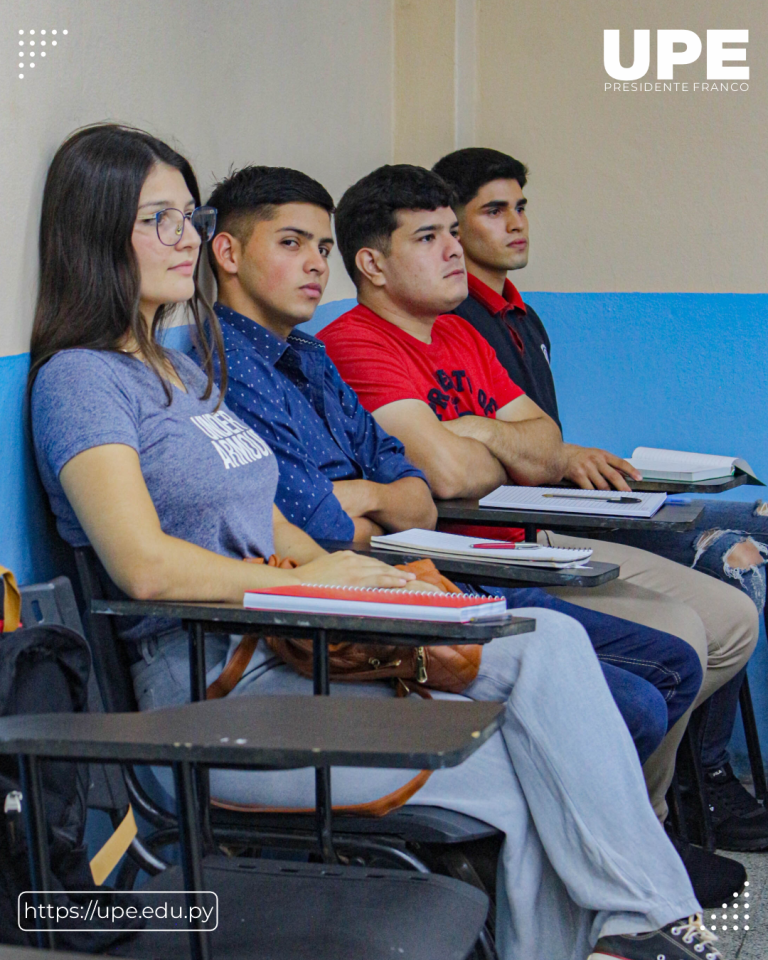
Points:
[[368, 261], [226, 249]]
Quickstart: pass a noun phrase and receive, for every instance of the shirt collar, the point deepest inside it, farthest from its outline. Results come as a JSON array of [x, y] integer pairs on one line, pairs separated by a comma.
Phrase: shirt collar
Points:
[[266, 344], [493, 303]]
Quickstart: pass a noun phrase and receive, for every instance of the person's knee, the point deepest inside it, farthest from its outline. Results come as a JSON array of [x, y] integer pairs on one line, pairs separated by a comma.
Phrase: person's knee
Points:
[[642, 707]]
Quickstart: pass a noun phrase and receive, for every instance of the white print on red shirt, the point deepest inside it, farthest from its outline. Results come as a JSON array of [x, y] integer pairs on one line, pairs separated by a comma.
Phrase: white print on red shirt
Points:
[[235, 443]]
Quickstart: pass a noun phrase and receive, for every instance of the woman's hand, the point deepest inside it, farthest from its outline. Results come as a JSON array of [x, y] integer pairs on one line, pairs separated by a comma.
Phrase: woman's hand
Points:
[[421, 586], [349, 569]]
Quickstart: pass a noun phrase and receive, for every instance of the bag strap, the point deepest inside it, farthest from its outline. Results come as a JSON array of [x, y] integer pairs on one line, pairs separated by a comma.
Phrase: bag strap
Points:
[[11, 601], [375, 808]]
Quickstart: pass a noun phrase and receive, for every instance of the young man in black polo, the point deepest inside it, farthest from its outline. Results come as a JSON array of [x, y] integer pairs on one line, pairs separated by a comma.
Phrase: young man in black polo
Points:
[[493, 227]]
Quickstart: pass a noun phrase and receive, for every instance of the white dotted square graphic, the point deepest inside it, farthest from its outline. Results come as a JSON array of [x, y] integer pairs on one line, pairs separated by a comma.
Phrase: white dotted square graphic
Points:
[[731, 916], [29, 40]]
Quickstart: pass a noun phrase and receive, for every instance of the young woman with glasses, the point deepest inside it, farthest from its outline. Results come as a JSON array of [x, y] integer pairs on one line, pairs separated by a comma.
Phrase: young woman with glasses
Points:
[[142, 460]]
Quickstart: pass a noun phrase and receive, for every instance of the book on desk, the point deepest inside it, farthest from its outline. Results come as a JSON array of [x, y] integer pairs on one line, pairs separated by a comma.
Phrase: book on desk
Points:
[[376, 602], [681, 467]]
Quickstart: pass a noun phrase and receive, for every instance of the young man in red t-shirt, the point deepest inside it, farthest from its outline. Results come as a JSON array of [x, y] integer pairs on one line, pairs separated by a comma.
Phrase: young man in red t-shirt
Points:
[[434, 382]]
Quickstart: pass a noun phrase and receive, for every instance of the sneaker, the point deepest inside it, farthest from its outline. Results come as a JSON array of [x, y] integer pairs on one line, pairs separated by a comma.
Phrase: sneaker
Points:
[[681, 940], [739, 821], [714, 879]]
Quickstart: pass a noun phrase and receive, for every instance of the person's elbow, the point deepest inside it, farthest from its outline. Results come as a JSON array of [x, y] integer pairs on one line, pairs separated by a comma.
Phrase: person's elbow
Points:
[[146, 578], [425, 508], [448, 481]]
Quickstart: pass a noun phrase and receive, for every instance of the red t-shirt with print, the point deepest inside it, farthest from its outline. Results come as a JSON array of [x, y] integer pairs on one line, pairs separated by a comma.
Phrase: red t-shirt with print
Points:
[[457, 374]]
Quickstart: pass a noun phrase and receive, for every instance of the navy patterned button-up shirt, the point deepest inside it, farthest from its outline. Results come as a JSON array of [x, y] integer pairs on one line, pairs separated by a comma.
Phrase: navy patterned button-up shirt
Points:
[[292, 395]]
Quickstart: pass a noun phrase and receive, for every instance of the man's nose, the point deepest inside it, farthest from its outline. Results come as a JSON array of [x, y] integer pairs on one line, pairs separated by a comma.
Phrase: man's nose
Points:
[[453, 248], [316, 261], [514, 221]]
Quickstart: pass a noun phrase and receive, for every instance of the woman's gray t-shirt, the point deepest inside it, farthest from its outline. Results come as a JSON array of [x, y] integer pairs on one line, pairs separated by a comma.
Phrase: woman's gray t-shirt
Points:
[[211, 478]]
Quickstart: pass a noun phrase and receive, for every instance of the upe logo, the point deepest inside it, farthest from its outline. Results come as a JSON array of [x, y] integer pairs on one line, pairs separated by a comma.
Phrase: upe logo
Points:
[[676, 48]]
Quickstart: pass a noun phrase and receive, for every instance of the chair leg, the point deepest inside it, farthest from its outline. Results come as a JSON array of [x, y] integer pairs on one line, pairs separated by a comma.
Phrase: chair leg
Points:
[[753, 740], [690, 747], [676, 812]]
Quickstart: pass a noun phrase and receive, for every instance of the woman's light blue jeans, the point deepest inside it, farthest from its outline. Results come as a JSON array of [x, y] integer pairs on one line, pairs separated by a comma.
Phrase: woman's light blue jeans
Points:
[[583, 855]]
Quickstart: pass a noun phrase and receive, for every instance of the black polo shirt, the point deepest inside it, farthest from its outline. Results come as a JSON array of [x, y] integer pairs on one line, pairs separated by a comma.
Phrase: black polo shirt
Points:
[[516, 333]]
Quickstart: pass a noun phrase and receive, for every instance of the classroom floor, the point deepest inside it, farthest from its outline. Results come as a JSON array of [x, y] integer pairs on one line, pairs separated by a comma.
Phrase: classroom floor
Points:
[[750, 909]]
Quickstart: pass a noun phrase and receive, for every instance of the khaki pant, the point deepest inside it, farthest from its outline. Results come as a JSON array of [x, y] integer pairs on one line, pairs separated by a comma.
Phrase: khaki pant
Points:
[[719, 621]]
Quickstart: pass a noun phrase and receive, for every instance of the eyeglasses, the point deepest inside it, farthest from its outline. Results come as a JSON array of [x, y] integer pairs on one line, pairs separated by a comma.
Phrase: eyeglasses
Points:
[[170, 223]]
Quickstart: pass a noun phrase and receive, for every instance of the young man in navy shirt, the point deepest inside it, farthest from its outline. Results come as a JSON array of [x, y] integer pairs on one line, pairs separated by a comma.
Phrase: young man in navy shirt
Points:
[[493, 222], [341, 476]]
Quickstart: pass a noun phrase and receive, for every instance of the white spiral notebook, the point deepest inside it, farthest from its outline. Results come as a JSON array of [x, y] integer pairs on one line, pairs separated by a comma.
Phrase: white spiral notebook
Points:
[[600, 503], [453, 546]]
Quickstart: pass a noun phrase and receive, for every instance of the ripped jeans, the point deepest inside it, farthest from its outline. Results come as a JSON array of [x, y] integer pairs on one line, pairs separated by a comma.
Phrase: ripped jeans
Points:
[[723, 524]]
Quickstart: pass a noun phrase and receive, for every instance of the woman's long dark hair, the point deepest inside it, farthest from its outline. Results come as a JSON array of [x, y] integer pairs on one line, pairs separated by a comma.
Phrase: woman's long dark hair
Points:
[[89, 277]]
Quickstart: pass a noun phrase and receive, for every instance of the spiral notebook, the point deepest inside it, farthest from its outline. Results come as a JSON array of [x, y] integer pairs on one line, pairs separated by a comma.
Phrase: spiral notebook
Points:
[[376, 602], [453, 546]]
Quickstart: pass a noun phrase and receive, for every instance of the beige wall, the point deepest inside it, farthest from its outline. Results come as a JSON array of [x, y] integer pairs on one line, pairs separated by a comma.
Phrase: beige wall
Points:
[[628, 191], [304, 83]]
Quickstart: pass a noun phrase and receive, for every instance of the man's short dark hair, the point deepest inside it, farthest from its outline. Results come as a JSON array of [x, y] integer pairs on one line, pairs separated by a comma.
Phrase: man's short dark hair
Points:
[[252, 194], [470, 169], [367, 213]]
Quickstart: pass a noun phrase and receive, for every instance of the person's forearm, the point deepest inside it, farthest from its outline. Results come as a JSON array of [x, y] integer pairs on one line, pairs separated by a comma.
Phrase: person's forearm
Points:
[[293, 543], [365, 529], [531, 451], [403, 504], [173, 569]]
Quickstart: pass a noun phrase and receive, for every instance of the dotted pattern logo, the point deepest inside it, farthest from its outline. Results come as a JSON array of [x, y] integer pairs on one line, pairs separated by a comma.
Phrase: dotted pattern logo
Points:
[[733, 916], [34, 45]]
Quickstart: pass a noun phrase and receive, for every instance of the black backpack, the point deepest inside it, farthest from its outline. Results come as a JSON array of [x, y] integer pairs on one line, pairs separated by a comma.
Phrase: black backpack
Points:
[[44, 669]]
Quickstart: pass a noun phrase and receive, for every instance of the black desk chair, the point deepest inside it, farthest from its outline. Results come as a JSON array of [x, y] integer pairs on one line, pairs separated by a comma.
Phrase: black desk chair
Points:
[[418, 838], [278, 911]]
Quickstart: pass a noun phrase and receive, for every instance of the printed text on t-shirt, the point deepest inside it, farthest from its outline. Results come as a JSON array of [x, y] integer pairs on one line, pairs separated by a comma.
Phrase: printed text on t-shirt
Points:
[[235, 443], [457, 381]]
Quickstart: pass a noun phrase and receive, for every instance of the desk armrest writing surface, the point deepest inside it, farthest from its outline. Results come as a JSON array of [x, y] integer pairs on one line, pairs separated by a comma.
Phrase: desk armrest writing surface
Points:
[[278, 732], [233, 618], [477, 573], [718, 485], [673, 518]]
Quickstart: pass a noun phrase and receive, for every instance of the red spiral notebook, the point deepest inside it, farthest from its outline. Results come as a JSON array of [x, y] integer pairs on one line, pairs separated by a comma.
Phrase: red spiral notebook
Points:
[[376, 602]]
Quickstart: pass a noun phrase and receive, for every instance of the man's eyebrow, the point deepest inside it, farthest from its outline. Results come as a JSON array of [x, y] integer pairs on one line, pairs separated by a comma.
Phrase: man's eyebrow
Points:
[[429, 228], [302, 233]]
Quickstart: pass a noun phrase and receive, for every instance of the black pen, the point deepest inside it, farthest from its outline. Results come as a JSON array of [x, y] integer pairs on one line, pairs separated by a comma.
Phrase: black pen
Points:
[[573, 496]]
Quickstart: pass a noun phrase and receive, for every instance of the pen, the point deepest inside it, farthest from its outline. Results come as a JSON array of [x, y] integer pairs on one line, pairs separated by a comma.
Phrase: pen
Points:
[[507, 546], [573, 496]]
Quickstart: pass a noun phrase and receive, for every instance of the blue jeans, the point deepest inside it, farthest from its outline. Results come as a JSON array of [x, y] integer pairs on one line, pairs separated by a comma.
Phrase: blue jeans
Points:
[[654, 677], [722, 525]]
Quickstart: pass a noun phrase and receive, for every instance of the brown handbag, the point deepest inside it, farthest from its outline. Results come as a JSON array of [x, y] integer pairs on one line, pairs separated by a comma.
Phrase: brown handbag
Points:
[[448, 668], [442, 668]]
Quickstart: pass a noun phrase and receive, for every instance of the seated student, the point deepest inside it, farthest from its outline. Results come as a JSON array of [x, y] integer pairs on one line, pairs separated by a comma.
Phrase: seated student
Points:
[[270, 256], [128, 438], [436, 384], [493, 227], [341, 477]]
